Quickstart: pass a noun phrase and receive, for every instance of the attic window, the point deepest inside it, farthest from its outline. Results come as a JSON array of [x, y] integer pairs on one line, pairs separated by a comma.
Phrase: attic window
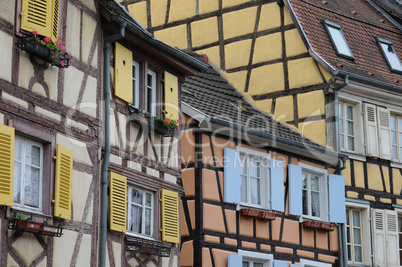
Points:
[[390, 55], [338, 40]]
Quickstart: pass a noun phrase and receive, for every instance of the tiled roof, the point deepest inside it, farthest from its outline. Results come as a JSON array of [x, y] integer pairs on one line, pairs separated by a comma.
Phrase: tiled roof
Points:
[[211, 93], [360, 23], [393, 7]]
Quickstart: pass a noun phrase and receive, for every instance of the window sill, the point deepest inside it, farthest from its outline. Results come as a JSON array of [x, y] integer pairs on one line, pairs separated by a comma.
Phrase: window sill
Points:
[[354, 155], [395, 164], [34, 215]]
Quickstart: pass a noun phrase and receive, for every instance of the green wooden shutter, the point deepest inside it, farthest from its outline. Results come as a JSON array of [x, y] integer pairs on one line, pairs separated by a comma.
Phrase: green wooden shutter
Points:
[[171, 96], [170, 216], [36, 15], [6, 165], [117, 209], [63, 182], [123, 73]]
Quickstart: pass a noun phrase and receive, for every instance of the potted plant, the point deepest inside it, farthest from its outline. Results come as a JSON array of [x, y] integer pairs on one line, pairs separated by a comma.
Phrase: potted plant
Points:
[[19, 223], [45, 49], [165, 126]]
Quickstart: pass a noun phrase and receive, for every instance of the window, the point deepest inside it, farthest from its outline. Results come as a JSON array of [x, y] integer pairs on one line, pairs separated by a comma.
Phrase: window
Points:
[[313, 186], [338, 40], [396, 137], [388, 51], [151, 93], [140, 211], [251, 178], [136, 84], [28, 169], [313, 195], [41, 16], [346, 127], [308, 263], [250, 259], [354, 235]]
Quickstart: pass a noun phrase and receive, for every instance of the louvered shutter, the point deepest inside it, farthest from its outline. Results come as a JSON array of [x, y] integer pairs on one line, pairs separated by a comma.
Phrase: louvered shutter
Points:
[[117, 202], [279, 263], [235, 260], [7, 137], [63, 182], [123, 73], [55, 20], [171, 96], [231, 176], [391, 234], [336, 189], [384, 132], [170, 216], [378, 237], [370, 120], [277, 188], [295, 190], [37, 15]]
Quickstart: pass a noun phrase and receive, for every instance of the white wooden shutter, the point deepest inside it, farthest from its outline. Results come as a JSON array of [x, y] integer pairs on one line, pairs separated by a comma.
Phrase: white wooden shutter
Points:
[[378, 237], [370, 121], [391, 234], [384, 132]]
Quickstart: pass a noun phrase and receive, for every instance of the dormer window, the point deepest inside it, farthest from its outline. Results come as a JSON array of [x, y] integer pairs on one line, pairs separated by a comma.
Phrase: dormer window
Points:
[[338, 40], [390, 55]]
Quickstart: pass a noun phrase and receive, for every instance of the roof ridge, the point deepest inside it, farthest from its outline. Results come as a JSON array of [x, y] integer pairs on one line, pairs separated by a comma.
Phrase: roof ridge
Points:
[[352, 18]]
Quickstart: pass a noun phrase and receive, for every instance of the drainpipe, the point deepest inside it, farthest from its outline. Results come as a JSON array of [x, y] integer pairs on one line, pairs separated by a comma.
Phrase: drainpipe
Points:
[[343, 259], [105, 166]]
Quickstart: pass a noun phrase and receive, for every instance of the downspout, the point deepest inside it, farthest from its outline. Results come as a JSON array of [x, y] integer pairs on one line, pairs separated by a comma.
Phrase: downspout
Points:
[[343, 259], [105, 166]]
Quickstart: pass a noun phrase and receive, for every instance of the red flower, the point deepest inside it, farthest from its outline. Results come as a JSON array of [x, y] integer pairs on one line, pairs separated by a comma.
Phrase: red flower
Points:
[[63, 47], [62, 63], [47, 39], [178, 121], [167, 121], [35, 32]]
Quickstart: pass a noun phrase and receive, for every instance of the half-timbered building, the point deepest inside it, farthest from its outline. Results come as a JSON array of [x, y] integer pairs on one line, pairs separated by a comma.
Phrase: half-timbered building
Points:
[[141, 159], [50, 84], [257, 193], [331, 70]]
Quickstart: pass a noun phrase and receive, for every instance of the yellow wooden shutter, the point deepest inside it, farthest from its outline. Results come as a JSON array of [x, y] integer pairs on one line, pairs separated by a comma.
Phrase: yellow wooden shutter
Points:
[[117, 209], [170, 216], [123, 73], [6, 165], [171, 96], [55, 20], [36, 15], [63, 183]]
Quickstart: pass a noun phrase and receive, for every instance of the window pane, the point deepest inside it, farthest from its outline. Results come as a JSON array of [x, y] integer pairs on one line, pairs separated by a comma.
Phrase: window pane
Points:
[[400, 240], [350, 128], [393, 138], [400, 153], [349, 113], [136, 196], [339, 41], [33, 154], [400, 257], [358, 254], [304, 181], [348, 234], [243, 189], [400, 124], [148, 200], [305, 202], [135, 219], [349, 253], [148, 221], [258, 264], [356, 218], [246, 264], [341, 126], [351, 143], [255, 191], [400, 139], [341, 141], [340, 110], [315, 183], [395, 152], [400, 225], [393, 123], [392, 57], [18, 149], [254, 168], [17, 182], [150, 81], [32, 186], [315, 204], [357, 238], [243, 166]]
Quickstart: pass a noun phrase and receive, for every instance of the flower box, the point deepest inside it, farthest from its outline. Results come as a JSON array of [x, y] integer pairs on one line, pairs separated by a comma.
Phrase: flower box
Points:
[[250, 212], [327, 226], [55, 57], [312, 224], [156, 125], [266, 215], [27, 225]]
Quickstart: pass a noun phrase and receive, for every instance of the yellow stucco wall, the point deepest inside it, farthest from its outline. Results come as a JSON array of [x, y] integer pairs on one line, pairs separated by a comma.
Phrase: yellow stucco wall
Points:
[[311, 104], [237, 54], [139, 12], [175, 36], [204, 31]]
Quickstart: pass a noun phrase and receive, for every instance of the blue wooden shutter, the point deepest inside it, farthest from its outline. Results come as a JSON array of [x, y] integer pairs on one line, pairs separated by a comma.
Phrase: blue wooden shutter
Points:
[[295, 190], [296, 265], [232, 176], [235, 260], [277, 193], [278, 263], [337, 199]]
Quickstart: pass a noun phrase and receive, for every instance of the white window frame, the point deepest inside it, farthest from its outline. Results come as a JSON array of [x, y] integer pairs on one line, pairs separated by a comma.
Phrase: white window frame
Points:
[[136, 84], [398, 144], [309, 263], [151, 98], [323, 190], [391, 57], [338, 40], [343, 120], [129, 203], [399, 214], [365, 225], [266, 259], [22, 205], [265, 194]]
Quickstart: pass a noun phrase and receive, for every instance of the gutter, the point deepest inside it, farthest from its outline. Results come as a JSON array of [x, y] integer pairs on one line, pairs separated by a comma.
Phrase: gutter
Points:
[[105, 166], [385, 14]]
